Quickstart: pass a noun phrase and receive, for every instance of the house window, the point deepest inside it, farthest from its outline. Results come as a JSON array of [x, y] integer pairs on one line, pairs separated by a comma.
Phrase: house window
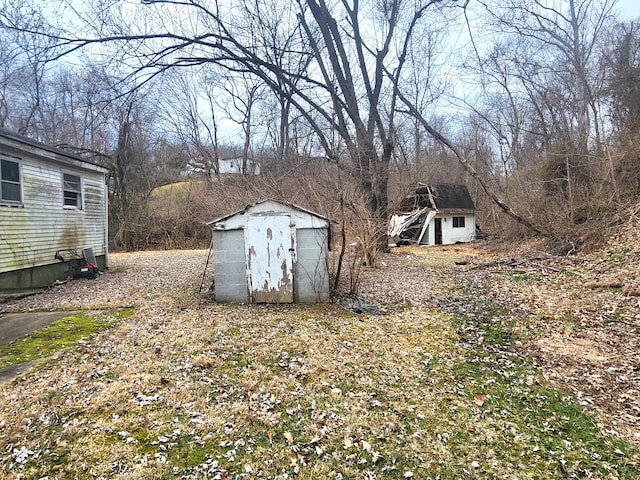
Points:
[[10, 190], [458, 222], [72, 187]]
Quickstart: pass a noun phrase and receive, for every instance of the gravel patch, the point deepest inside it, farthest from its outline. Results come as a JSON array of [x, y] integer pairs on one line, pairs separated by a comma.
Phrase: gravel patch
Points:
[[131, 280], [136, 278]]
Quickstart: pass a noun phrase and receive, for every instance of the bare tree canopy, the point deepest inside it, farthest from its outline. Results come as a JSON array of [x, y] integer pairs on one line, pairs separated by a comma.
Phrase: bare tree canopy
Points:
[[361, 78], [339, 64]]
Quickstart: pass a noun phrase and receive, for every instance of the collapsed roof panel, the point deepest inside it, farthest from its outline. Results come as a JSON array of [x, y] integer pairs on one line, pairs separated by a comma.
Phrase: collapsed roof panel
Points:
[[438, 197]]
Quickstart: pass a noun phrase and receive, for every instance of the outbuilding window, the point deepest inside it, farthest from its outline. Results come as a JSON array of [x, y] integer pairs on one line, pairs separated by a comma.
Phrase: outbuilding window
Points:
[[10, 187], [458, 222], [72, 187]]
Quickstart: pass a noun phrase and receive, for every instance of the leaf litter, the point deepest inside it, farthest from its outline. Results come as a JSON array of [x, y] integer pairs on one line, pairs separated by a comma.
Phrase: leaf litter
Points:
[[441, 382]]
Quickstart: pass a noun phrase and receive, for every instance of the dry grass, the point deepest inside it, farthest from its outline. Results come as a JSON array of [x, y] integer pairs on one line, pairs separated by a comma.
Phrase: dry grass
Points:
[[181, 190], [579, 318], [193, 389]]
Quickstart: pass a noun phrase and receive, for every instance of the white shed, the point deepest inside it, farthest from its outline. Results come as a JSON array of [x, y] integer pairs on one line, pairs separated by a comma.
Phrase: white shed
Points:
[[271, 252]]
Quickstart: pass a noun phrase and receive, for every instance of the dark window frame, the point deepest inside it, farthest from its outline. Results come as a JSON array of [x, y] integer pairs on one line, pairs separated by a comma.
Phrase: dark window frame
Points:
[[7, 181], [71, 190], [458, 222]]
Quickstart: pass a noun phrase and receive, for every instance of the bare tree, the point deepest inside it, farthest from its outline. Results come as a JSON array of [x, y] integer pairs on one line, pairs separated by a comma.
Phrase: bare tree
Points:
[[340, 66], [27, 65], [192, 111], [131, 178], [279, 33], [565, 39], [411, 110], [244, 92], [621, 61]]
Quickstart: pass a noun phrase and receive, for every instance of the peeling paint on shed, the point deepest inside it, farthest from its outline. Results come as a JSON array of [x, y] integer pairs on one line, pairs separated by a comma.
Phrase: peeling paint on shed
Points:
[[271, 252]]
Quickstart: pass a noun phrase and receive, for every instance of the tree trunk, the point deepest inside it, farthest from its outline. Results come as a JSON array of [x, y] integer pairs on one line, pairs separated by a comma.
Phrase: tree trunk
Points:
[[469, 168]]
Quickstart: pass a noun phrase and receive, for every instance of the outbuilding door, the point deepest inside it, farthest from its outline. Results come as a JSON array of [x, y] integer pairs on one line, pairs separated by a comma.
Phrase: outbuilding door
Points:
[[270, 258], [438, 231]]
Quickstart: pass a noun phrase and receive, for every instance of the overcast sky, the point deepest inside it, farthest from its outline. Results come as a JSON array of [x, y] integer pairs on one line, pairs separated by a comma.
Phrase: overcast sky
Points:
[[629, 8]]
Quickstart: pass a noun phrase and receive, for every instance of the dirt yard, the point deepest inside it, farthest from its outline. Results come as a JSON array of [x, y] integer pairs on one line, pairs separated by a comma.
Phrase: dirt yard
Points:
[[463, 363]]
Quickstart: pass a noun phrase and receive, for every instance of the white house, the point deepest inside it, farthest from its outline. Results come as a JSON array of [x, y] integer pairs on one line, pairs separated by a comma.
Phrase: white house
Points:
[[53, 205], [226, 166], [435, 215], [271, 252], [234, 165]]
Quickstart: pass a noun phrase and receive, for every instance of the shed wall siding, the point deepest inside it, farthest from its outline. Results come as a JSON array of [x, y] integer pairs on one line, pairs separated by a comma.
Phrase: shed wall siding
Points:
[[229, 266], [31, 234], [311, 279], [452, 235]]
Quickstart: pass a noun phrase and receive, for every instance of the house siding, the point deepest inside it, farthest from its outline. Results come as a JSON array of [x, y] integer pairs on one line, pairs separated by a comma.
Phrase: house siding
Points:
[[234, 166], [32, 233], [451, 235]]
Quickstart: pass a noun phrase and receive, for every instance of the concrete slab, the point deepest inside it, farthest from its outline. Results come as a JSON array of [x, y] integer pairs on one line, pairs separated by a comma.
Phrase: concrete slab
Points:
[[9, 373], [7, 296], [16, 325]]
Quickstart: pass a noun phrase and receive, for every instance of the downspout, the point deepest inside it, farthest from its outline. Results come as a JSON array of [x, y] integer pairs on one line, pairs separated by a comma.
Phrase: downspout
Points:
[[106, 221]]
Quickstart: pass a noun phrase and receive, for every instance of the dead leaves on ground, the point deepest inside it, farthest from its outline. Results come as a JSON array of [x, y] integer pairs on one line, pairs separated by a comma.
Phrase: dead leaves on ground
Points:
[[579, 316], [191, 389]]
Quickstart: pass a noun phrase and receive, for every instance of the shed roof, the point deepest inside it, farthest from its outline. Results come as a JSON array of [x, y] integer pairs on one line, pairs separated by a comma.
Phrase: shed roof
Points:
[[285, 204], [22, 143], [438, 197]]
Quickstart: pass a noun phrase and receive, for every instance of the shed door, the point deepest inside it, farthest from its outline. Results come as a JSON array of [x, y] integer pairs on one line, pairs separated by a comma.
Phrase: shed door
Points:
[[438, 231], [270, 259]]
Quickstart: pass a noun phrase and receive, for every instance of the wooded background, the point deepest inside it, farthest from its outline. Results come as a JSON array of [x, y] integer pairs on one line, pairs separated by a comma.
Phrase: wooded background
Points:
[[346, 105]]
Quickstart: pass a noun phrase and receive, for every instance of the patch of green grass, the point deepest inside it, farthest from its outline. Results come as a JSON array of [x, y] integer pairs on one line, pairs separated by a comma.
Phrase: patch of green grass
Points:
[[331, 325], [525, 276], [493, 321], [617, 254], [528, 426], [496, 334], [540, 425], [60, 335], [567, 323]]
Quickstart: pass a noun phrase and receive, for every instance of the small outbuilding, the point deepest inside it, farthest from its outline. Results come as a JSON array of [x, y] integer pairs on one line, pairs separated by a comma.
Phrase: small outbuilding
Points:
[[435, 215], [271, 252], [53, 213]]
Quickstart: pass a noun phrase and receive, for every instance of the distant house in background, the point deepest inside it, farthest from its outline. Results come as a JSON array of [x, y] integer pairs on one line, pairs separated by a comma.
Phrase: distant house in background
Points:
[[53, 205], [435, 215], [271, 252], [234, 165], [227, 166]]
